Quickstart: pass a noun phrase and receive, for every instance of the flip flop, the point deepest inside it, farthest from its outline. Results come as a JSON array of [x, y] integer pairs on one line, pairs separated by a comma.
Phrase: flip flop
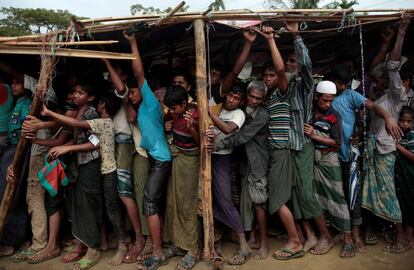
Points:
[[292, 255], [153, 262], [370, 239], [245, 256], [79, 254], [23, 255], [188, 262], [43, 258], [348, 248], [86, 263]]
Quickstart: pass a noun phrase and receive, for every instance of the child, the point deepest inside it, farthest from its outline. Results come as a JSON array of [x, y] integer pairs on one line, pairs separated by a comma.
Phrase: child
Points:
[[84, 195], [181, 219], [326, 133], [103, 128], [404, 174]]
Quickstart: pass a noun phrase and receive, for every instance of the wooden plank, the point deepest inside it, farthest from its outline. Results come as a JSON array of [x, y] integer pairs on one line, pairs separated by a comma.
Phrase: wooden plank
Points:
[[76, 43], [205, 157], [46, 70], [65, 52]]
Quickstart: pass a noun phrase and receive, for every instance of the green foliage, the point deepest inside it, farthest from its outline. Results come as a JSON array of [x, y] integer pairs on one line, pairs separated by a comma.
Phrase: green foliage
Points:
[[139, 9], [295, 4], [217, 5], [24, 21], [343, 4]]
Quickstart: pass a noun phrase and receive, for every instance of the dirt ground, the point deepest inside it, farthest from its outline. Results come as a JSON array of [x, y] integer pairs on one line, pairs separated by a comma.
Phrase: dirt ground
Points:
[[375, 259]]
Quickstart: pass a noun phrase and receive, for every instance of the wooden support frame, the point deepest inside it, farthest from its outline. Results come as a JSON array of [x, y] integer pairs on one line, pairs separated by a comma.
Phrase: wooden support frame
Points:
[[205, 157]]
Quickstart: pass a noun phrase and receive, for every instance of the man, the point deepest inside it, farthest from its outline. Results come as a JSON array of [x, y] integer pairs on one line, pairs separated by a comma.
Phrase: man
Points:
[[253, 135]]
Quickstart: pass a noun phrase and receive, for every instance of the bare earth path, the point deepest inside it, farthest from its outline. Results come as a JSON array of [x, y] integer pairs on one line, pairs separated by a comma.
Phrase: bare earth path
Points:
[[375, 259]]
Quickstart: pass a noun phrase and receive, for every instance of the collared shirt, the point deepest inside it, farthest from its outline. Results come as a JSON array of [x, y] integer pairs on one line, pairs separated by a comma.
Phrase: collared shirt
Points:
[[328, 125], [151, 123], [18, 115], [392, 101], [300, 95], [82, 136], [253, 134], [121, 124], [407, 141]]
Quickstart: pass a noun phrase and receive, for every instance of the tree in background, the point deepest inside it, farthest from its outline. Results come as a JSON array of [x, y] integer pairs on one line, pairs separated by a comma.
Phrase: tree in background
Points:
[[217, 5], [344, 4], [295, 4], [26, 21]]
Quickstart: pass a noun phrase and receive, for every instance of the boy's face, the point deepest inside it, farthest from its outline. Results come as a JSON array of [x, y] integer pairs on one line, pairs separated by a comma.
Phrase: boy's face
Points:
[[215, 76], [324, 101], [81, 97], [178, 110], [101, 107], [233, 101], [135, 96], [270, 78], [180, 81], [255, 98], [291, 64], [17, 88], [406, 121]]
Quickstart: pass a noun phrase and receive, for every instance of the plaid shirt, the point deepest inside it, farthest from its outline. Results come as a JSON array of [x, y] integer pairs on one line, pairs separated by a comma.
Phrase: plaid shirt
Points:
[[300, 95], [82, 136], [18, 115]]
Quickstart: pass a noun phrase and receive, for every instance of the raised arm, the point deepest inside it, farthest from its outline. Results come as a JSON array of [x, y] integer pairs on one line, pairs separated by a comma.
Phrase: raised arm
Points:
[[116, 80], [225, 127], [386, 35], [267, 33], [137, 66], [68, 121], [227, 83], [390, 124]]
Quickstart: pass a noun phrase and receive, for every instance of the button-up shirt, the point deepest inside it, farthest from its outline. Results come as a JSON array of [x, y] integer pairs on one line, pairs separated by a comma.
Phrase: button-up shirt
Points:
[[253, 135]]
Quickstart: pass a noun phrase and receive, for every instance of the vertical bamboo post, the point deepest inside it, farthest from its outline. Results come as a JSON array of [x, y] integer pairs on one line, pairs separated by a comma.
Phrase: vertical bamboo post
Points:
[[205, 157], [45, 71]]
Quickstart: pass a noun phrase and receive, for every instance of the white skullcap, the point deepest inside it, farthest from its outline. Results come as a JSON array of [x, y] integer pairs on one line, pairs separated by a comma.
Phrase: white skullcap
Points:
[[326, 87]]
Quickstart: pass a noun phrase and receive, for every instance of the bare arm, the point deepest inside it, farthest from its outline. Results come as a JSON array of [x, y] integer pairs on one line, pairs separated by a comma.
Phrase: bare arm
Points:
[[406, 153], [118, 83], [60, 140], [386, 35], [63, 149], [226, 128], [390, 124], [308, 130], [68, 121], [131, 114], [33, 124], [228, 82], [137, 66]]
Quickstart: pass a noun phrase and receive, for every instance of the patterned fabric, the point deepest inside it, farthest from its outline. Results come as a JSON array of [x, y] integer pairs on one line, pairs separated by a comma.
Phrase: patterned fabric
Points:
[[82, 136], [328, 124], [279, 122], [18, 115], [379, 195], [329, 190], [300, 95], [182, 137], [53, 175], [123, 153]]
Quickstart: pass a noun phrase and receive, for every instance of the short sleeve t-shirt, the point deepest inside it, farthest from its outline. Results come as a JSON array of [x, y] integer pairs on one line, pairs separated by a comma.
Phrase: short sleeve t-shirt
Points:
[[407, 141], [6, 106], [121, 124], [82, 136], [328, 125], [103, 128], [345, 105], [236, 116], [18, 115]]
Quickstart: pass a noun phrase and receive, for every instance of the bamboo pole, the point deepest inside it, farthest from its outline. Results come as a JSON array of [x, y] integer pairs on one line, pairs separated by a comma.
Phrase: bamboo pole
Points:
[[65, 52], [76, 43], [46, 70], [172, 12], [205, 157]]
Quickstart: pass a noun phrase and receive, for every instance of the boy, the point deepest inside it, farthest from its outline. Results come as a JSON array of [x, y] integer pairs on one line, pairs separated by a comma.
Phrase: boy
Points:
[[181, 219], [103, 128]]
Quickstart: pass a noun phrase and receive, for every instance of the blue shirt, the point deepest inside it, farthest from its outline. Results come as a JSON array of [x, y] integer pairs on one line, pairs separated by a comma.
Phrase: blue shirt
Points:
[[151, 123], [345, 105], [6, 106]]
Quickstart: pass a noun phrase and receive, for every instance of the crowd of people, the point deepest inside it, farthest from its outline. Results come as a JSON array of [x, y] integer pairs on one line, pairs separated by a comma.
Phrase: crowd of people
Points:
[[121, 161]]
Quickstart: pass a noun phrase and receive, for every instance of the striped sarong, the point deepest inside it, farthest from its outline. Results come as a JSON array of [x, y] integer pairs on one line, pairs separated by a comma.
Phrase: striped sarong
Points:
[[329, 190], [379, 194]]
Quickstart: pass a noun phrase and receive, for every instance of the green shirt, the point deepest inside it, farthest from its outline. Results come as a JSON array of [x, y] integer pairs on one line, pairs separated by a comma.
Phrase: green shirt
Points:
[[18, 115]]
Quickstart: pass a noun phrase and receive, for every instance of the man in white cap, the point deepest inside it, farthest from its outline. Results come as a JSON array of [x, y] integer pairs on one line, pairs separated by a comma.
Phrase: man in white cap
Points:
[[326, 133]]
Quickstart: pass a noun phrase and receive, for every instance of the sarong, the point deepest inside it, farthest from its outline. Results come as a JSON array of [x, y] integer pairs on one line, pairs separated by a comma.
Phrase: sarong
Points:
[[223, 207], [85, 199], [141, 168], [329, 190], [305, 205], [281, 178], [181, 219], [379, 194], [123, 155], [404, 185]]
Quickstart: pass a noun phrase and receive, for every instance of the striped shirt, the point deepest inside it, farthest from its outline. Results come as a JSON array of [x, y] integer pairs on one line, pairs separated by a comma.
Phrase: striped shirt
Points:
[[279, 122], [407, 141], [300, 95]]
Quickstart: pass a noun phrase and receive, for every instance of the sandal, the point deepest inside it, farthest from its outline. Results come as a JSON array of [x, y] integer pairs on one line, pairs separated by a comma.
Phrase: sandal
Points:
[[218, 261], [73, 256], [153, 262], [42, 258], [133, 254], [172, 251], [291, 254], [348, 250], [370, 239], [23, 255], [188, 262], [245, 256], [86, 263]]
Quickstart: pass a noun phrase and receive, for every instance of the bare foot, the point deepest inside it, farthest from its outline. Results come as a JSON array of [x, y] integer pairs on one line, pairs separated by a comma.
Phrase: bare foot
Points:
[[291, 248], [44, 255], [74, 255], [87, 261], [310, 243], [359, 244], [134, 251], [400, 246], [323, 246], [253, 244], [146, 252], [262, 253], [119, 255], [6, 250]]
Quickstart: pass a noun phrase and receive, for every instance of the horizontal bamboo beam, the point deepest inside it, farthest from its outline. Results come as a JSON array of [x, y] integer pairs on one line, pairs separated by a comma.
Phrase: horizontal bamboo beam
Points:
[[76, 43], [66, 52]]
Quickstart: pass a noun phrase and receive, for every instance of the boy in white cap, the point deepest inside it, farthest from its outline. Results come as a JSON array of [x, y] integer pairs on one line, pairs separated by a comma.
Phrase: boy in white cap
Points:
[[326, 133]]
